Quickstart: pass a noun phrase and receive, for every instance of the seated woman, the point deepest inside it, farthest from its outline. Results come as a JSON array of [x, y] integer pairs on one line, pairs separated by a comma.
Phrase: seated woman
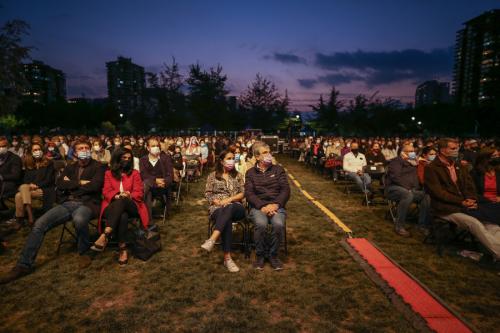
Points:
[[38, 182], [224, 193], [428, 155], [100, 154], [487, 181], [123, 197]]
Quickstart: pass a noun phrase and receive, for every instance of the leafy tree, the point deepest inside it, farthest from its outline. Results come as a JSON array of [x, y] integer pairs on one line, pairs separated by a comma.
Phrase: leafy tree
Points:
[[327, 115], [12, 55], [207, 97], [171, 99], [263, 104]]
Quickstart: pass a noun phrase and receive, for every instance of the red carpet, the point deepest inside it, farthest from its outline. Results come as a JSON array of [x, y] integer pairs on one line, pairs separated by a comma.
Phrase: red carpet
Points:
[[434, 313]]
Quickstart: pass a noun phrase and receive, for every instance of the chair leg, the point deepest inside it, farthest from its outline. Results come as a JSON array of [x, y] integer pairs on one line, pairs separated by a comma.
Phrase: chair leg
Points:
[[286, 243], [61, 239]]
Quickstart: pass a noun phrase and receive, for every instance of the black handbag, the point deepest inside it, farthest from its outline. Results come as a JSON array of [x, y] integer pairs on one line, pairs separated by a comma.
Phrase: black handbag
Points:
[[147, 243]]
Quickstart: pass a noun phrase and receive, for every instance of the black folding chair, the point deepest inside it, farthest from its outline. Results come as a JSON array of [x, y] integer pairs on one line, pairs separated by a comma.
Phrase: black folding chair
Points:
[[244, 241]]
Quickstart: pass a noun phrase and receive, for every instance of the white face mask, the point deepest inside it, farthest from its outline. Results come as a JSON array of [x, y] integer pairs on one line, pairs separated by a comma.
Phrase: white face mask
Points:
[[97, 148], [154, 150], [37, 154], [3, 150]]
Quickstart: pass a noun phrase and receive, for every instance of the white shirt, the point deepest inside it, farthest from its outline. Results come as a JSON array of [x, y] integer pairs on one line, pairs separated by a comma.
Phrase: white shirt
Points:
[[153, 161], [354, 163]]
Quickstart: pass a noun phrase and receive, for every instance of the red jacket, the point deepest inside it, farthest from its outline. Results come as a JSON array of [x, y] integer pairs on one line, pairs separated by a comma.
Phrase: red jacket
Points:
[[133, 184]]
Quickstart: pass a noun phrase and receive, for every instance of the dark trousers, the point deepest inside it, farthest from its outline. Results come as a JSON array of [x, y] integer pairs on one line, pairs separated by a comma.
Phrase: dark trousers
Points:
[[117, 214], [224, 218], [151, 192]]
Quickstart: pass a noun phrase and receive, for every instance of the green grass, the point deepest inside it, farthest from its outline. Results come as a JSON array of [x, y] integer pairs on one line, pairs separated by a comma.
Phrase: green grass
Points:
[[182, 289]]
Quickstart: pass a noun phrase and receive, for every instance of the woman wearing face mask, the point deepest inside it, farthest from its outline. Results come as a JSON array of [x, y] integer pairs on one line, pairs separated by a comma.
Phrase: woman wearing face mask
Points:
[[487, 178], [100, 154], [389, 151], [53, 152], [17, 148], [38, 182], [428, 155], [123, 198], [224, 193], [204, 154]]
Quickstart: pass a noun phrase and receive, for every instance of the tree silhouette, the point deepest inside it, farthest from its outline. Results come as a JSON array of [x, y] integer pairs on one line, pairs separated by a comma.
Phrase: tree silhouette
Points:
[[207, 97], [12, 55], [263, 104]]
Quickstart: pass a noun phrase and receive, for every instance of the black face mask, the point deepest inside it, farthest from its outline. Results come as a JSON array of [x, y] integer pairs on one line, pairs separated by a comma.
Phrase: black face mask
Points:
[[355, 151], [126, 165], [495, 161]]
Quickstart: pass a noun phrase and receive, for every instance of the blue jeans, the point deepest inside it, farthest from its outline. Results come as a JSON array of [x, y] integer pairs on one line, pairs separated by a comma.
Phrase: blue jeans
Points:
[[264, 247], [81, 216], [405, 198], [359, 180]]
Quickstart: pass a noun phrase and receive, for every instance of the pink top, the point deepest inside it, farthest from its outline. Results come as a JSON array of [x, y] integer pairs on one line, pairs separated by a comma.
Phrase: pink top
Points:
[[490, 187]]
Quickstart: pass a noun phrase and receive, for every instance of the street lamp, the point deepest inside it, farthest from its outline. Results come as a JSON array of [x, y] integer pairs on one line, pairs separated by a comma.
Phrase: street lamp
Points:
[[412, 118], [297, 116], [121, 115], [420, 123]]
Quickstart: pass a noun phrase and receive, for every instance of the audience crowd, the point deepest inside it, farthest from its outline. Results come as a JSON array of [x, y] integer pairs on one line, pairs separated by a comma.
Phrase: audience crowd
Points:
[[448, 179], [116, 179]]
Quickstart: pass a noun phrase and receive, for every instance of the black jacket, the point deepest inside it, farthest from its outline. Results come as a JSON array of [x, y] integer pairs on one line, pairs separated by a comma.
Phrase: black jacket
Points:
[[90, 194], [402, 173], [42, 177], [146, 169], [11, 174]]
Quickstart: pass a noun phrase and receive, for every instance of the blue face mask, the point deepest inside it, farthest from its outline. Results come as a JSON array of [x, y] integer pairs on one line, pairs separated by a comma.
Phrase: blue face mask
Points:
[[412, 155], [83, 155], [431, 157]]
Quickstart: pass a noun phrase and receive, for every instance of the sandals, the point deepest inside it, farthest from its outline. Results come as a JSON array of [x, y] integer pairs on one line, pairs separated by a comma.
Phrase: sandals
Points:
[[100, 248], [121, 250]]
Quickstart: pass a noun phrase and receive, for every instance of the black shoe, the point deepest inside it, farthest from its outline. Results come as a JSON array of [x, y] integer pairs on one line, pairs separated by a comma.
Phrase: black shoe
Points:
[[424, 230], [276, 264], [259, 263], [14, 274]]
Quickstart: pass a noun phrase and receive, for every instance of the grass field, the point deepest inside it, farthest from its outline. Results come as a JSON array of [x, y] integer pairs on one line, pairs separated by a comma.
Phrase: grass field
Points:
[[182, 289]]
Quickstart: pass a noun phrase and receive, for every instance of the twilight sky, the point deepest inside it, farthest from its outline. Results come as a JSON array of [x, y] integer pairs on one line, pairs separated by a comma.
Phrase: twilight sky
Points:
[[303, 46]]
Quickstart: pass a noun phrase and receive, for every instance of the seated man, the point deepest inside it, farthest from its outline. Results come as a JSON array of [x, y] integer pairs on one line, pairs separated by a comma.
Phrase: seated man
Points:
[[403, 186], [156, 173], [79, 197], [453, 196], [11, 167], [267, 192], [353, 164]]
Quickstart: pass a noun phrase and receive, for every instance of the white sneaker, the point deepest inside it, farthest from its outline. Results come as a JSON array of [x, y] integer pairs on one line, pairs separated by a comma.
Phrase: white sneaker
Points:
[[231, 266], [208, 245]]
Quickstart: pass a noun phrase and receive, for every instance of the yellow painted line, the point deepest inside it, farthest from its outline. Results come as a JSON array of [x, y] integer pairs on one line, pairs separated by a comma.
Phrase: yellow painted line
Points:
[[307, 195], [333, 217], [322, 207]]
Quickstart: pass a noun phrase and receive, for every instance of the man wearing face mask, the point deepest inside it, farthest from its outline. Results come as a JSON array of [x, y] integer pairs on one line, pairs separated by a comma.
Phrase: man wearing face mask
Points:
[[267, 192], [11, 167], [353, 164], [157, 174], [454, 198], [404, 188], [79, 197]]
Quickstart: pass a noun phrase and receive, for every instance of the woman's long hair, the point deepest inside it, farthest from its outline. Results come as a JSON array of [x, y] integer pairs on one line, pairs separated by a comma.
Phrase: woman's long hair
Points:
[[29, 161], [219, 168], [115, 165]]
